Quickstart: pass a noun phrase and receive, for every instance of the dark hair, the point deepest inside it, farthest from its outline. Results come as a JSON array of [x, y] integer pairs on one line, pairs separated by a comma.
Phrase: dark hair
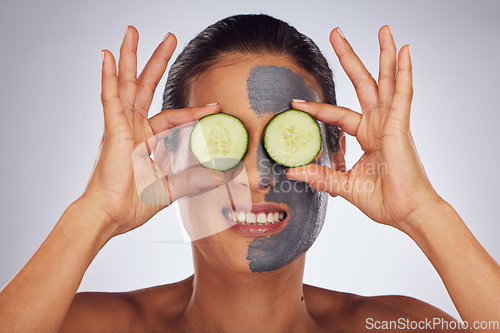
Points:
[[249, 34]]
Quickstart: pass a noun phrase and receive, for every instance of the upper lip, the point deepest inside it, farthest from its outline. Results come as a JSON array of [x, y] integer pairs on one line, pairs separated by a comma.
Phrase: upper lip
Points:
[[259, 207]]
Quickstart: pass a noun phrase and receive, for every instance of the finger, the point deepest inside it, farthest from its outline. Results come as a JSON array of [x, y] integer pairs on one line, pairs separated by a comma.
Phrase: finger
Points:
[[321, 178], [387, 70], [403, 95], [192, 181], [170, 118], [152, 73], [127, 70], [113, 112], [364, 84], [344, 118]]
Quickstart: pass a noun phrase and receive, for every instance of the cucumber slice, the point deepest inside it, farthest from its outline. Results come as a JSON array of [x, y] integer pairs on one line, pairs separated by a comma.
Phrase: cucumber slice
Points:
[[219, 141], [292, 138]]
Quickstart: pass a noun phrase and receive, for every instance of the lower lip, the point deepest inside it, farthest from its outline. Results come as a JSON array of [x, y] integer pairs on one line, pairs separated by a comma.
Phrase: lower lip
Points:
[[256, 230]]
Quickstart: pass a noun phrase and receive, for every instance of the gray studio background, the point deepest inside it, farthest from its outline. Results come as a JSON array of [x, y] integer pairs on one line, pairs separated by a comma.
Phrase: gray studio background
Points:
[[52, 123]]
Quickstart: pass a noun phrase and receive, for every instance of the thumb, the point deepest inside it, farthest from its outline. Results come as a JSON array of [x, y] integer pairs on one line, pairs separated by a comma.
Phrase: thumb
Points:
[[190, 181], [194, 180], [321, 178]]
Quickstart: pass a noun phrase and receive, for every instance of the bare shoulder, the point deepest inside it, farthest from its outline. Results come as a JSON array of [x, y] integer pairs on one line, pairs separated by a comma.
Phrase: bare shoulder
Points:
[[402, 306], [133, 311], [346, 312]]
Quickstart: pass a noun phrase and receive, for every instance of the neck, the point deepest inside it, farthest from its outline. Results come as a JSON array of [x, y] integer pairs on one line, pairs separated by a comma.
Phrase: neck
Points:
[[224, 300]]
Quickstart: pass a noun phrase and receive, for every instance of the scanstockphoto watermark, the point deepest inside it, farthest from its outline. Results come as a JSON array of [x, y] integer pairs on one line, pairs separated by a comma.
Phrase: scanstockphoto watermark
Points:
[[268, 168], [322, 180], [431, 324]]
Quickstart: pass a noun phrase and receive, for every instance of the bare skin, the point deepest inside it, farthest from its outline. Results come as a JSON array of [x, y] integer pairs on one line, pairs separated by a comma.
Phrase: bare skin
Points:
[[224, 295], [163, 309]]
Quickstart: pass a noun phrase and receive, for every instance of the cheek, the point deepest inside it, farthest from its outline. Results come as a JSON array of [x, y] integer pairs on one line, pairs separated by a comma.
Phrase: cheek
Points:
[[201, 214], [307, 210], [192, 210]]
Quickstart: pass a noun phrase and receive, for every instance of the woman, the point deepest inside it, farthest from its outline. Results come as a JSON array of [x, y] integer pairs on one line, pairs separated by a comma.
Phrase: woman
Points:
[[245, 281]]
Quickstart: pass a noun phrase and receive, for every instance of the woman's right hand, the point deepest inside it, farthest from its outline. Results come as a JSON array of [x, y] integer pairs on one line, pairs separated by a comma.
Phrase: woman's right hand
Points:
[[111, 192]]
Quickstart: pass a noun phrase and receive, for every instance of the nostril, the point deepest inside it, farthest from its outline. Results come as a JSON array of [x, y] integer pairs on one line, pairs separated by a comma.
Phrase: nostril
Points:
[[267, 181], [266, 188]]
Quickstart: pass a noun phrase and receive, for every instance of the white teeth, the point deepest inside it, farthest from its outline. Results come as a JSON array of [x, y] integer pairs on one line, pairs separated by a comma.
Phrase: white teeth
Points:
[[270, 217], [261, 217], [241, 217], [251, 218], [276, 217]]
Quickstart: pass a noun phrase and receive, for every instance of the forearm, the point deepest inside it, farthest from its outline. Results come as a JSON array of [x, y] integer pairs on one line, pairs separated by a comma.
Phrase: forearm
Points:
[[470, 274], [39, 296]]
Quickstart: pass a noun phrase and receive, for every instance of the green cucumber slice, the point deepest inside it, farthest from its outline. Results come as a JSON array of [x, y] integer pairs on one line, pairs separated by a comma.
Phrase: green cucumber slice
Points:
[[219, 141], [292, 138]]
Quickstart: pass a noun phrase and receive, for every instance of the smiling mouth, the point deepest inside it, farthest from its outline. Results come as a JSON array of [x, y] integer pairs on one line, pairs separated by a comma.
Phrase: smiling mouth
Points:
[[250, 218], [261, 220]]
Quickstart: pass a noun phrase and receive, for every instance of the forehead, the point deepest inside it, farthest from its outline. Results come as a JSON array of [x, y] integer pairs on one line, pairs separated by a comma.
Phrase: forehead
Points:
[[263, 84]]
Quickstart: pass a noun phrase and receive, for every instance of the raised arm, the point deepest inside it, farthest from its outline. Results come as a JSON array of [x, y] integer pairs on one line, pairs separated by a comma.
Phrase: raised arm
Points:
[[39, 296], [389, 183]]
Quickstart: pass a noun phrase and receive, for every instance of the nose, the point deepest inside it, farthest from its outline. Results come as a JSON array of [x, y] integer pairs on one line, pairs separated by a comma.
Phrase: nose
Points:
[[268, 170], [261, 172]]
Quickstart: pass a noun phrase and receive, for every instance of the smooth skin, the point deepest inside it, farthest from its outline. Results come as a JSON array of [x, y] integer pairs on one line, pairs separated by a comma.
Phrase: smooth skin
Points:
[[41, 297]]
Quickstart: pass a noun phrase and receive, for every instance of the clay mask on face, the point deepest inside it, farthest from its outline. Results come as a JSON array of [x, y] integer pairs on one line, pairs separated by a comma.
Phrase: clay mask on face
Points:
[[270, 90]]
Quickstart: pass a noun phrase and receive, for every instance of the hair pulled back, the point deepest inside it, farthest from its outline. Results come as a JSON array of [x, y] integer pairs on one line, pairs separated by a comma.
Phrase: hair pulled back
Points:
[[254, 35]]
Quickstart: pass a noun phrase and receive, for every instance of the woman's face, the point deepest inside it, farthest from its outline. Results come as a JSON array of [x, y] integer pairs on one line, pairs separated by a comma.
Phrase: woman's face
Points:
[[254, 89]]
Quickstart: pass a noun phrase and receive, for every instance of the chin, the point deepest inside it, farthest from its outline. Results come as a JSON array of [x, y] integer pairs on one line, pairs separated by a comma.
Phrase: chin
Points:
[[228, 252]]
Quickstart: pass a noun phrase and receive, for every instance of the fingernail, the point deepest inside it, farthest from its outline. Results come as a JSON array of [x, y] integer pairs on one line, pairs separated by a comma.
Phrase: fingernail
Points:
[[340, 33], [409, 50], [211, 104], [389, 27], [126, 30], [298, 100], [166, 36], [102, 55]]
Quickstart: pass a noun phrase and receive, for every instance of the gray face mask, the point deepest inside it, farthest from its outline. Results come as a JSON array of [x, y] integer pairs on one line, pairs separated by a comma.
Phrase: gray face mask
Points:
[[270, 90]]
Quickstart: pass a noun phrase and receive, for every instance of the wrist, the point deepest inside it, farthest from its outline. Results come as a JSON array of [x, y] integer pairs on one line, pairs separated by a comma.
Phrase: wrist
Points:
[[94, 218], [434, 209]]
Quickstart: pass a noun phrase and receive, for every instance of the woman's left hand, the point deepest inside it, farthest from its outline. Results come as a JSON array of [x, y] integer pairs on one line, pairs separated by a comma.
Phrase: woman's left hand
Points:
[[388, 183]]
